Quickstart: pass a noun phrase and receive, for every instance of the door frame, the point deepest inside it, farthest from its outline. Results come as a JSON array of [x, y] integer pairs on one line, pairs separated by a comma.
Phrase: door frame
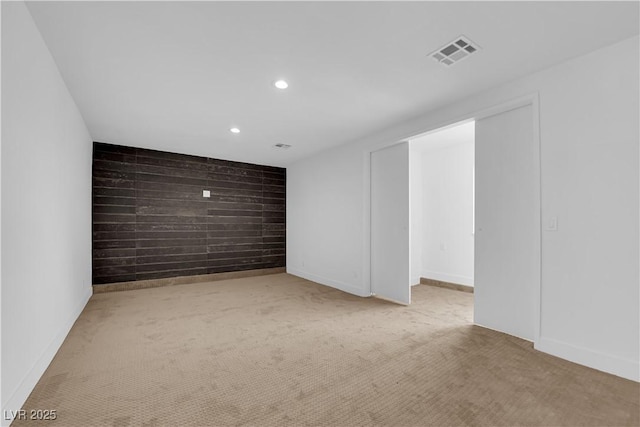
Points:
[[532, 99]]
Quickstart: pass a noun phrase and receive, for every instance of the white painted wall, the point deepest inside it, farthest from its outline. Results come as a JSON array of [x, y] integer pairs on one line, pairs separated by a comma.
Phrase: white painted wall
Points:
[[326, 222], [1, 400], [507, 223], [447, 205], [589, 127], [46, 207]]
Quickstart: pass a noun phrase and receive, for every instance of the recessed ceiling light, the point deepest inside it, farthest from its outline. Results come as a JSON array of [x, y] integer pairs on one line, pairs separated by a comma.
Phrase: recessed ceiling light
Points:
[[234, 130], [281, 84]]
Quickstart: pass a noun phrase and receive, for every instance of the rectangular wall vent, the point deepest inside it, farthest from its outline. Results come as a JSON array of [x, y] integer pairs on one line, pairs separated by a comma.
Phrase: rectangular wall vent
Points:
[[282, 146], [455, 51]]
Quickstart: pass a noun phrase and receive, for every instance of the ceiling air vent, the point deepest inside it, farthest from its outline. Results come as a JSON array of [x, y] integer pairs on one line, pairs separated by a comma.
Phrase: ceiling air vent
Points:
[[455, 51], [282, 146]]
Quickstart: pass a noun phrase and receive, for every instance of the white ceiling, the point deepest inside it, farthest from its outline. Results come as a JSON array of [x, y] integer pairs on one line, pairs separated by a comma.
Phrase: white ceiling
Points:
[[176, 76]]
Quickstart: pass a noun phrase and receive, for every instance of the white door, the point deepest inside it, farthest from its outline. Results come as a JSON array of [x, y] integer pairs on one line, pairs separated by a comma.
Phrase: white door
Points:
[[390, 224], [507, 238]]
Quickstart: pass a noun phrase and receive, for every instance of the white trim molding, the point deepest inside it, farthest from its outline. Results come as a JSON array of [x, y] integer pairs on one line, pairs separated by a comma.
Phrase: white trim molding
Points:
[[625, 368], [345, 287]]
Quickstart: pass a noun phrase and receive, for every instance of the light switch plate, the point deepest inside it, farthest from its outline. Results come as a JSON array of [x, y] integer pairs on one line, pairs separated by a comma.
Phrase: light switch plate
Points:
[[206, 193]]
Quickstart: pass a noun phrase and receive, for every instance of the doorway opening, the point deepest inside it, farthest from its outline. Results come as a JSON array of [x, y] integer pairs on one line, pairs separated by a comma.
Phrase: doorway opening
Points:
[[442, 199], [502, 220]]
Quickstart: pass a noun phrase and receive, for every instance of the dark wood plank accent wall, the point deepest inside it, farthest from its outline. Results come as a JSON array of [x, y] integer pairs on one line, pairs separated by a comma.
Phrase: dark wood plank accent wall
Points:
[[150, 219]]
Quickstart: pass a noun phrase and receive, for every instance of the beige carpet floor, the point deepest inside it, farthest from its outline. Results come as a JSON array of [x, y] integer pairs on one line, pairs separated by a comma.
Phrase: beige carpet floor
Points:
[[279, 350]]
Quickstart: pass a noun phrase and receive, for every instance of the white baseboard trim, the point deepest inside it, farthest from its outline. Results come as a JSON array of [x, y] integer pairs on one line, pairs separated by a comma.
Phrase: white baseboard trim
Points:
[[345, 287], [28, 383], [502, 332], [625, 368], [451, 278]]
